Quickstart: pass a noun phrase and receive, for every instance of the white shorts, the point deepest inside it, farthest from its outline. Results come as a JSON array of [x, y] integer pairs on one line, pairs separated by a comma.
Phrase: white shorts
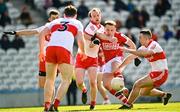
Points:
[[100, 68], [107, 68]]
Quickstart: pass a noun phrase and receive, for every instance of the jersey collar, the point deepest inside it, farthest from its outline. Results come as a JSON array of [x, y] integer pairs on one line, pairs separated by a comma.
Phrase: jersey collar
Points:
[[149, 42], [97, 25]]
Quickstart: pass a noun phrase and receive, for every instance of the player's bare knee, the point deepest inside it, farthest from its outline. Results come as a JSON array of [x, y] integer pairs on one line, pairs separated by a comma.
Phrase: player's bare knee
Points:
[[99, 86], [137, 84], [93, 84]]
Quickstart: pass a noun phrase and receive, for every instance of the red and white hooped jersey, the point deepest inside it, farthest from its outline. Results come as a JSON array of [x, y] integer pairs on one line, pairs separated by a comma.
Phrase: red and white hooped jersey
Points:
[[63, 32], [112, 50], [90, 30], [157, 60]]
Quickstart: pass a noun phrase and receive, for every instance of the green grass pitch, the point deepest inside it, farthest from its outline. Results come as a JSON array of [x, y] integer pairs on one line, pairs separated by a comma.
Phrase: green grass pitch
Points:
[[139, 107]]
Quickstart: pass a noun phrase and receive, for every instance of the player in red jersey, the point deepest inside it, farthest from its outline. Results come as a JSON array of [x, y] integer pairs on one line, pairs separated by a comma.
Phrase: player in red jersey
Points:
[[58, 53], [146, 86], [113, 56], [53, 14]]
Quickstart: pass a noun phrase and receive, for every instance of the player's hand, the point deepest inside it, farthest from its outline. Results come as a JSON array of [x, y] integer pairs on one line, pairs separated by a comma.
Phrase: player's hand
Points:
[[41, 57], [10, 33], [94, 43], [83, 56]]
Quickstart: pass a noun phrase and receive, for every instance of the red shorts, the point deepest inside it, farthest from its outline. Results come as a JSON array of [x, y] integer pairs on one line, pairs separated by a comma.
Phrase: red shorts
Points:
[[159, 77], [86, 63], [57, 54], [42, 66]]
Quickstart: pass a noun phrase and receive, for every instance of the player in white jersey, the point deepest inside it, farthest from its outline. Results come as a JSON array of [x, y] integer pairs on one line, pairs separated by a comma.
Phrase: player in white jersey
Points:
[[89, 60], [146, 86], [58, 53], [53, 14]]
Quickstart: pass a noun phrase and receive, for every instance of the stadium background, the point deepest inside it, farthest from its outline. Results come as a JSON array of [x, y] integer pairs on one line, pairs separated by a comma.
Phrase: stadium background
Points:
[[19, 66]]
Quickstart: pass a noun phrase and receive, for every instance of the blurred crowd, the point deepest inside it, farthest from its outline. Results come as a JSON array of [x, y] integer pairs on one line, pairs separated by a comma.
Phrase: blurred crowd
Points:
[[137, 17]]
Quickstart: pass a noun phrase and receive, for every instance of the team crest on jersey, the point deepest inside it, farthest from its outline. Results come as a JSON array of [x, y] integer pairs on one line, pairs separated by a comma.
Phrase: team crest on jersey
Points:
[[92, 28]]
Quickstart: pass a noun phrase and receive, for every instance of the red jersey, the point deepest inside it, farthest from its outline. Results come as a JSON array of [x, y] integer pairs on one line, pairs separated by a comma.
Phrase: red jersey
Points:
[[112, 50]]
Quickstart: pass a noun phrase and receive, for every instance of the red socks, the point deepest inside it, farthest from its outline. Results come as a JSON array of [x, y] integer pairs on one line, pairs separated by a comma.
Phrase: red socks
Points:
[[84, 90], [93, 103], [47, 105], [112, 91], [56, 103]]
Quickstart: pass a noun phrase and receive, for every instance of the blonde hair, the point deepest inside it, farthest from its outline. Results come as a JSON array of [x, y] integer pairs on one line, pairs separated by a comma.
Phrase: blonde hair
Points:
[[94, 9], [146, 31], [110, 22]]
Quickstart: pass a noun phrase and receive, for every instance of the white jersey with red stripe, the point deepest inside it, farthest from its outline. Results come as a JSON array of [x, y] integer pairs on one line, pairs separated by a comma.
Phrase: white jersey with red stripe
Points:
[[157, 60], [39, 29], [63, 32], [90, 30]]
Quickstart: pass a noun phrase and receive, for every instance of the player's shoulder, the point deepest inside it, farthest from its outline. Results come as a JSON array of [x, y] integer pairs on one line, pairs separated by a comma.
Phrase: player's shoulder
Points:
[[155, 44], [120, 35]]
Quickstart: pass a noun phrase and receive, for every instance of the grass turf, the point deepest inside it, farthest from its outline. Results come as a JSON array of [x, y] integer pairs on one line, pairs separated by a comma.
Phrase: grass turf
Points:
[[141, 107]]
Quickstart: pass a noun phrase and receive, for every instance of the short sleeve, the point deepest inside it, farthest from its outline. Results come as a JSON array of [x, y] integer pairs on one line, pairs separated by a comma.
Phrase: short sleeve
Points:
[[142, 48], [90, 29], [121, 38], [155, 47]]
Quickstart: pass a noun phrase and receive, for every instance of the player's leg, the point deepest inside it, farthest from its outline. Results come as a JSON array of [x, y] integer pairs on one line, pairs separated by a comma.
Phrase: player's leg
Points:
[[143, 82], [92, 75], [101, 88], [66, 77], [41, 81], [42, 74], [155, 92], [151, 91], [51, 69], [79, 74], [114, 66]]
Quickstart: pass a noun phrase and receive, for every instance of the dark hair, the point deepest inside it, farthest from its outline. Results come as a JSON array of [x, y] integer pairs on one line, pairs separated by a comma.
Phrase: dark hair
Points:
[[70, 11], [146, 32]]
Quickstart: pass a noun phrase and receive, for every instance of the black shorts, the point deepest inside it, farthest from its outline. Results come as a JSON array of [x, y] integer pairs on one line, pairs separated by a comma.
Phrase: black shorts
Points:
[[42, 74]]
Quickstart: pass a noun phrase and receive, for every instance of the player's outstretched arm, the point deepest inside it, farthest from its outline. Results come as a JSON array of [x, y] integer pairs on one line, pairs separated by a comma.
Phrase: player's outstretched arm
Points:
[[125, 62], [25, 32], [139, 53], [105, 37]]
